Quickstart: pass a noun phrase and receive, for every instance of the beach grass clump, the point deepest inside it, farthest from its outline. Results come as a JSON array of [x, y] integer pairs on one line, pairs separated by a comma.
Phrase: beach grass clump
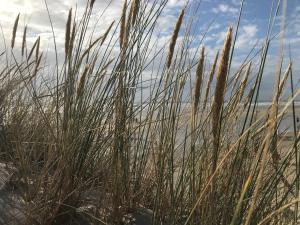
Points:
[[91, 139]]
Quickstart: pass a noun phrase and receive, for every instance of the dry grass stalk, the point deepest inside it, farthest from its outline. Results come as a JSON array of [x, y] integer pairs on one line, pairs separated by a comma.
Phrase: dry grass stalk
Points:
[[239, 93], [68, 33], [15, 31], [106, 33], [240, 201], [245, 81], [237, 77], [82, 81], [249, 96], [134, 11], [270, 144], [24, 40], [107, 64], [123, 25], [282, 82], [37, 50], [33, 47], [174, 38], [264, 149], [71, 44], [219, 93], [210, 78], [92, 3], [216, 111], [199, 78], [37, 66], [86, 52], [103, 71]]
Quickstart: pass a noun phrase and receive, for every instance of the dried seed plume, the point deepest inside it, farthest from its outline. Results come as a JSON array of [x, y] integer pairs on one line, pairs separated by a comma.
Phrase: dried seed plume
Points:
[[219, 91], [123, 25], [199, 78], [68, 33], [15, 31], [24, 40], [210, 78], [82, 81], [174, 38]]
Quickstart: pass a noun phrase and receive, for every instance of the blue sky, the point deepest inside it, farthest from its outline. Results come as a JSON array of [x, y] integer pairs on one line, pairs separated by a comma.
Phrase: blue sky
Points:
[[252, 30]]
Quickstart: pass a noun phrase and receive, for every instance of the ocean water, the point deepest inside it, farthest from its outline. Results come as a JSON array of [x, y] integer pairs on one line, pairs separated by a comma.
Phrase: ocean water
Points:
[[287, 121], [285, 124]]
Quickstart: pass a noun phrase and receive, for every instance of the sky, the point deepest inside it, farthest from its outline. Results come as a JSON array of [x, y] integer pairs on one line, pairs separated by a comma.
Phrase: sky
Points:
[[216, 15]]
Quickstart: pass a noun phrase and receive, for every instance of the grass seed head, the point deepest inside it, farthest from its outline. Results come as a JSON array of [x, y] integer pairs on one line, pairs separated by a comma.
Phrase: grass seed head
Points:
[[15, 31], [244, 81], [24, 40], [199, 78], [221, 83], [68, 33], [134, 11], [123, 25], [174, 38], [92, 3], [210, 78], [82, 81], [72, 40]]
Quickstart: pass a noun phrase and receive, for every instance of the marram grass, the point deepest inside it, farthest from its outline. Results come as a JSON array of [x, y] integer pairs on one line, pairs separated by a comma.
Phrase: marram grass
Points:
[[100, 142]]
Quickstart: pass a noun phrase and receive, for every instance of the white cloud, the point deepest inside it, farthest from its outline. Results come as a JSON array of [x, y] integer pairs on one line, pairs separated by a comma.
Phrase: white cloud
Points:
[[250, 30], [216, 38], [176, 3], [34, 14], [166, 24], [225, 8], [247, 37]]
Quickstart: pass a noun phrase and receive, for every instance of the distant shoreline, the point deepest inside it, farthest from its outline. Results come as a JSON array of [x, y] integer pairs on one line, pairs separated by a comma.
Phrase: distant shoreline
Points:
[[261, 103]]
